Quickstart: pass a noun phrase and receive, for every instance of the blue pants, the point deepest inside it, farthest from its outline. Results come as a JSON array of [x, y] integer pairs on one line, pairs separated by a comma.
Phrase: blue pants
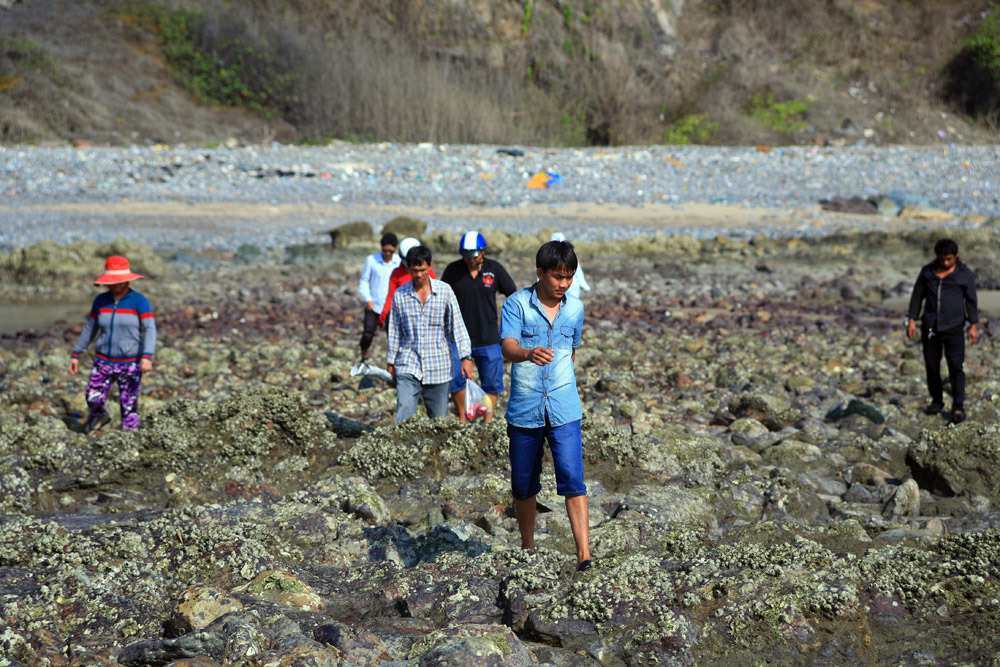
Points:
[[489, 363], [408, 392], [526, 452]]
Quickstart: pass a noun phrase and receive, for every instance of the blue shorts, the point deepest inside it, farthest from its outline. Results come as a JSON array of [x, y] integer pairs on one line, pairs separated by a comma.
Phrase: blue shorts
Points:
[[489, 364], [526, 452]]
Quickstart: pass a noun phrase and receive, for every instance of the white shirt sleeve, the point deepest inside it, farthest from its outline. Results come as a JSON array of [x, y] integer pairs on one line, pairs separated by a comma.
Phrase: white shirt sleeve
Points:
[[364, 285], [580, 279]]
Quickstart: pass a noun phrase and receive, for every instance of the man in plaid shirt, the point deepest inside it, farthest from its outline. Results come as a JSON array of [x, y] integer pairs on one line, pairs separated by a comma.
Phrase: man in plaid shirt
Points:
[[425, 317]]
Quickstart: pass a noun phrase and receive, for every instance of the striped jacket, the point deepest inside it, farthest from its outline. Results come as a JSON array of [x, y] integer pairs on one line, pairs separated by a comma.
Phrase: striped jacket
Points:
[[125, 332]]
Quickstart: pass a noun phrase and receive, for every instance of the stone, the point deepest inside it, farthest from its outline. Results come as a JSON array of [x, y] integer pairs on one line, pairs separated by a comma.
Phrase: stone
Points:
[[904, 502], [198, 606], [403, 226], [284, 589], [351, 233]]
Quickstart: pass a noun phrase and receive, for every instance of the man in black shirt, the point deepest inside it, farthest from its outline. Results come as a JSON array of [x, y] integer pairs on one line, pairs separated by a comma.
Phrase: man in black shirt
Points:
[[946, 288], [476, 279]]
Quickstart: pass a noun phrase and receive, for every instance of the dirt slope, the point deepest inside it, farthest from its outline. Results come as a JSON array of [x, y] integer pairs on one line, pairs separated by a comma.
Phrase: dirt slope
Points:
[[616, 72]]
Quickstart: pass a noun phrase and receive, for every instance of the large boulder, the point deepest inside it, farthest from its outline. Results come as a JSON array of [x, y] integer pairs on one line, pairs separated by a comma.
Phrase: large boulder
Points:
[[963, 460], [351, 232], [403, 226]]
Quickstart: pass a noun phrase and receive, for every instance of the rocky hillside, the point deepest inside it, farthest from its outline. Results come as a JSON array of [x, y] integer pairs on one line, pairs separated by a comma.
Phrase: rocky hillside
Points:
[[551, 72]]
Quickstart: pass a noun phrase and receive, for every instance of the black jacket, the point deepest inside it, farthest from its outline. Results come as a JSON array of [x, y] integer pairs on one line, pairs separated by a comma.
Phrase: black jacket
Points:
[[948, 302]]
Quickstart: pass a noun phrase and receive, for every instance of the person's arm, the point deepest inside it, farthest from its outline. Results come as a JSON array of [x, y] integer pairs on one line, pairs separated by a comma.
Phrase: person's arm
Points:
[[364, 284], [581, 279], [972, 309], [85, 339], [454, 329], [511, 319], [148, 324], [916, 301], [395, 336], [387, 306]]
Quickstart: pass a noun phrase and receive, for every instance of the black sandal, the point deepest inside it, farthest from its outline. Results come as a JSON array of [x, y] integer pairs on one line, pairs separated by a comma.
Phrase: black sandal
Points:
[[933, 408], [957, 416], [584, 566]]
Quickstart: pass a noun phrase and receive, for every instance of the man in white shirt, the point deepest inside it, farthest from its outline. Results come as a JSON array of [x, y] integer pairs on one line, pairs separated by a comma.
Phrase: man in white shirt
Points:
[[374, 286]]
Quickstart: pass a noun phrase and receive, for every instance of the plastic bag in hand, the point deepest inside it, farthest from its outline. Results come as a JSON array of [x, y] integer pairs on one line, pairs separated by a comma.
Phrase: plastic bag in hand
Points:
[[477, 403], [374, 371]]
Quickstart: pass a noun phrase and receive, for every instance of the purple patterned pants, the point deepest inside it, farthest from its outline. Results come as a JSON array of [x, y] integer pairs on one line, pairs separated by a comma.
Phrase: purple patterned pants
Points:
[[129, 378]]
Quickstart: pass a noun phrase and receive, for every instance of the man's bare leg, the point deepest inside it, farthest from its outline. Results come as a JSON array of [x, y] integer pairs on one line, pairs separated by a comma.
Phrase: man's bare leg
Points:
[[526, 521], [493, 401], [579, 521], [459, 398]]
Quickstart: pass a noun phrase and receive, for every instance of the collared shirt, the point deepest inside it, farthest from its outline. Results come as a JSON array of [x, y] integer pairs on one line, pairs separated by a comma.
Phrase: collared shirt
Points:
[[374, 282], [419, 333], [947, 302], [537, 392]]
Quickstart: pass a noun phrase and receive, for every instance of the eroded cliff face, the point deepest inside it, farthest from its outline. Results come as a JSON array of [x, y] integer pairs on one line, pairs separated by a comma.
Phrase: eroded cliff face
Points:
[[550, 72]]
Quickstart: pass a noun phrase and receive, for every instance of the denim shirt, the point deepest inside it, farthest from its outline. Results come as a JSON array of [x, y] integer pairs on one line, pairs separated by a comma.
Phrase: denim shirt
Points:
[[550, 390]]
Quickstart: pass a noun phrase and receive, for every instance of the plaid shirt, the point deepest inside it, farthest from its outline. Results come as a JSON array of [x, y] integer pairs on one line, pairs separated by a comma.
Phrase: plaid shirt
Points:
[[419, 333]]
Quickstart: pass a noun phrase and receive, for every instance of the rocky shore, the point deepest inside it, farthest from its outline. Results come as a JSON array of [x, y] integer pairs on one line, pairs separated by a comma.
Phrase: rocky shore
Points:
[[764, 488]]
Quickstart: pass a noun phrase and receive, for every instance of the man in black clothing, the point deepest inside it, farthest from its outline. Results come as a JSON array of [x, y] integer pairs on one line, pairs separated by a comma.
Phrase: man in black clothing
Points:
[[947, 290], [476, 279]]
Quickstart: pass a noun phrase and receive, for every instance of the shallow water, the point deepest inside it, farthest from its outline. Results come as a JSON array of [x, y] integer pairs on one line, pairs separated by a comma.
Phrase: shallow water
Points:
[[15, 317]]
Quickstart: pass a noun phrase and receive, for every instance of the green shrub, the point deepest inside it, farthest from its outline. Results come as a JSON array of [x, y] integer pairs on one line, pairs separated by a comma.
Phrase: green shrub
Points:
[[219, 57], [783, 117], [692, 128], [984, 42]]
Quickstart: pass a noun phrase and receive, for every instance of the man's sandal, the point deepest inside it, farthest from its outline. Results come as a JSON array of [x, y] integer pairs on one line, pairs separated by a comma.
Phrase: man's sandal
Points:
[[933, 408], [584, 566], [957, 416]]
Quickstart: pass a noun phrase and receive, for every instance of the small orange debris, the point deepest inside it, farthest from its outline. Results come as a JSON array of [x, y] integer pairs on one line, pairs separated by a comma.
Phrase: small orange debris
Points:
[[539, 181], [763, 149], [673, 161]]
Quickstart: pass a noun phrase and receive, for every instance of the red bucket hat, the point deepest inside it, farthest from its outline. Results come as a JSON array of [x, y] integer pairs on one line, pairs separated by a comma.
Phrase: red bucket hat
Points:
[[116, 270]]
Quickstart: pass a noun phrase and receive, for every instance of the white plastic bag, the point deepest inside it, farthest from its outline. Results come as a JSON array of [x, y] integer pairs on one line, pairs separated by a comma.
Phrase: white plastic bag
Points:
[[477, 403], [365, 369]]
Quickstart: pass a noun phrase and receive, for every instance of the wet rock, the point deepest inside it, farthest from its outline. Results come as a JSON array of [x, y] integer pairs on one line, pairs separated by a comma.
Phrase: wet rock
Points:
[[471, 645], [961, 460], [284, 589], [669, 503], [355, 646], [856, 407], [198, 606], [155, 653], [351, 232], [904, 501], [345, 427], [403, 226], [773, 411]]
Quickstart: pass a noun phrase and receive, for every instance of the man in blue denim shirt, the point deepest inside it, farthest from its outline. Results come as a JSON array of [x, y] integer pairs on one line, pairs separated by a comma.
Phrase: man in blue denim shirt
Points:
[[540, 329]]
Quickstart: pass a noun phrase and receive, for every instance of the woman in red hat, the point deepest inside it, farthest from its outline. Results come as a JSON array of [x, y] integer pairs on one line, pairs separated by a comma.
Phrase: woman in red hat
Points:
[[122, 321]]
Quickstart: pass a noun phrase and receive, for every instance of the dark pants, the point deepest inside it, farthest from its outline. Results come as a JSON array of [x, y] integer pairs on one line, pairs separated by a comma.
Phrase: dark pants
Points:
[[951, 345], [371, 326]]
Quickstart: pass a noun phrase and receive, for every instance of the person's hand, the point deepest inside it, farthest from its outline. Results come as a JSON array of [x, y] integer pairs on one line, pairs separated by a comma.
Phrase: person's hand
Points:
[[74, 366], [541, 355], [973, 333], [145, 365], [370, 306], [911, 329], [468, 370], [392, 371]]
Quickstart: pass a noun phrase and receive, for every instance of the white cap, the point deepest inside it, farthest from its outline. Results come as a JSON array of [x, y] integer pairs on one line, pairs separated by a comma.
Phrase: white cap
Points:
[[406, 245], [557, 236]]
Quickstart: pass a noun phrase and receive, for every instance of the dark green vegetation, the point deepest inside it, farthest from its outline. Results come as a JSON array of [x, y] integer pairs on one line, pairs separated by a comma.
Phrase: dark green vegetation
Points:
[[556, 72], [269, 512]]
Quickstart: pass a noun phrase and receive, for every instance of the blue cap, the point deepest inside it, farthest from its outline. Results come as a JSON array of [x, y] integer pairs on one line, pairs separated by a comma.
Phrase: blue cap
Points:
[[472, 244]]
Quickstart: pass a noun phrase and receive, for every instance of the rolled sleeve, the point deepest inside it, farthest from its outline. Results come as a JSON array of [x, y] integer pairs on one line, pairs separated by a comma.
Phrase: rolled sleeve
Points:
[[511, 318]]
